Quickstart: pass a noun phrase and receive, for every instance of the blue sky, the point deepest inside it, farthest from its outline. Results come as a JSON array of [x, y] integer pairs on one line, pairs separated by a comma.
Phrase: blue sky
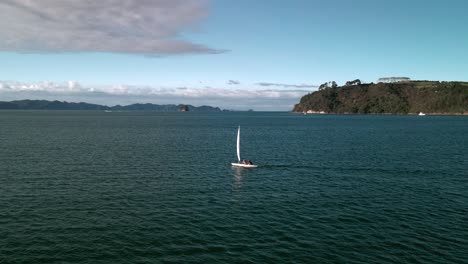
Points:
[[187, 51]]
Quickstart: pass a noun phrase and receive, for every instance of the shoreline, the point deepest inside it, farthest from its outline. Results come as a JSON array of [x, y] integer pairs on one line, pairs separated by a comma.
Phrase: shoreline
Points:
[[408, 114]]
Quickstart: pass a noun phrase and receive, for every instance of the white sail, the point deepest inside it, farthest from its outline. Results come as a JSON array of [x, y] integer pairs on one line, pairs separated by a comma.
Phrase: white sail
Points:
[[238, 144], [239, 164]]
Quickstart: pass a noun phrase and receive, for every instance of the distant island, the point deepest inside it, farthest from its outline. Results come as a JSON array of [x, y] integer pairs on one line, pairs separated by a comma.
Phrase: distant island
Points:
[[394, 95], [58, 105]]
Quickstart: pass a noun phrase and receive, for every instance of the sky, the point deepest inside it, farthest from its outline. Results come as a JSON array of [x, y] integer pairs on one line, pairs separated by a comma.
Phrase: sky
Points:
[[262, 55]]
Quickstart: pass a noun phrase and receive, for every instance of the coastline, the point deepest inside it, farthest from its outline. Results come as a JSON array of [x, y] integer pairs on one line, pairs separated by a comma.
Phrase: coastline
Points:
[[408, 114]]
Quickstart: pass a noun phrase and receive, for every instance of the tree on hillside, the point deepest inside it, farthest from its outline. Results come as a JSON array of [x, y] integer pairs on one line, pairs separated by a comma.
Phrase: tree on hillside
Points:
[[331, 84], [354, 82]]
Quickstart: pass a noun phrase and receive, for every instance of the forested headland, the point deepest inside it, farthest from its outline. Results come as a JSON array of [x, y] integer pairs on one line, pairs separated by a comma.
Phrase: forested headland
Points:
[[399, 97]]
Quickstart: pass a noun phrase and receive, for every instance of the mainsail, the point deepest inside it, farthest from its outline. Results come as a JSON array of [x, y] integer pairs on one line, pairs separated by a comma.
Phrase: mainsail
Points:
[[238, 144]]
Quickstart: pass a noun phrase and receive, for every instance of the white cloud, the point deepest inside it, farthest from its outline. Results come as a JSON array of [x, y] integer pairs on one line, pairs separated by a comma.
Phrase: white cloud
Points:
[[258, 99], [122, 26]]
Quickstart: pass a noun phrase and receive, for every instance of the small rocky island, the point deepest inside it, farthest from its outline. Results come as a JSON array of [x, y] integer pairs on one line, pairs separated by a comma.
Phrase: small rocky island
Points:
[[394, 95]]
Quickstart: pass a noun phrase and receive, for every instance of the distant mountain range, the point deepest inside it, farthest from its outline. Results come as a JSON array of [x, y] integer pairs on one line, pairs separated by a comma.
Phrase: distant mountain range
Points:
[[58, 105], [402, 97]]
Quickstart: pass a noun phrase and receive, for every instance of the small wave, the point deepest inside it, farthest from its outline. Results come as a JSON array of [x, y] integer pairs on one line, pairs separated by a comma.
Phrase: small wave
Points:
[[287, 166]]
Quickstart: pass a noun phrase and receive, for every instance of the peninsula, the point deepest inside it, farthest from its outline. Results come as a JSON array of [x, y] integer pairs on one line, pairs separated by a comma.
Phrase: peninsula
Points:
[[391, 96], [58, 105]]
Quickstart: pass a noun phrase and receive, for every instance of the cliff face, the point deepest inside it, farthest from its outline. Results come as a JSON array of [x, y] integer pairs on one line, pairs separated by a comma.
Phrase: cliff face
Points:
[[392, 98]]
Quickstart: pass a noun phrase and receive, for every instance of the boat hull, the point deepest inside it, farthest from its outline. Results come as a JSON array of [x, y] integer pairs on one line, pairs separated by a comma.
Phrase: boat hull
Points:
[[243, 165]]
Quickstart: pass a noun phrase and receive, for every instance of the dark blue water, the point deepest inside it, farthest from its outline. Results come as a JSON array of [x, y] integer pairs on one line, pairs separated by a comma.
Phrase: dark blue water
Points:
[[95, 187]]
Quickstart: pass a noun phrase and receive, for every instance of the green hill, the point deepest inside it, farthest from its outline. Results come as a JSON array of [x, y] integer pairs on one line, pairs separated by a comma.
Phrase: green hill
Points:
[[389, 98], [58, 105]]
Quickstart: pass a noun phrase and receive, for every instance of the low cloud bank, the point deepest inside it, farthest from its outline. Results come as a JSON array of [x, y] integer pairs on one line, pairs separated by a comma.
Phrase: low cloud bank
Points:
[[236, 99]]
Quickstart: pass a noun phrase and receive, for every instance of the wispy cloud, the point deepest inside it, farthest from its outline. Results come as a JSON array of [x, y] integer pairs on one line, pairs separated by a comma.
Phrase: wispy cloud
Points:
[[233, 82], [287, 85], [119, 26], [258, 99]]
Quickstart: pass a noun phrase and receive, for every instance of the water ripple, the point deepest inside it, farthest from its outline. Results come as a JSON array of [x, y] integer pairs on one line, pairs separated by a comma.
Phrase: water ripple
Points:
[[147, 188]]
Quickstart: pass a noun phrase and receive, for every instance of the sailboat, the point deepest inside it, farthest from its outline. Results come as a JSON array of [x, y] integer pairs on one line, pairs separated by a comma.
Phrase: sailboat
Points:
[[239, 163]]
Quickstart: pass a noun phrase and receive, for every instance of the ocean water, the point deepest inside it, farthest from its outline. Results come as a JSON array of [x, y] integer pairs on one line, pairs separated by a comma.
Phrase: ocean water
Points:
[[95, 187]]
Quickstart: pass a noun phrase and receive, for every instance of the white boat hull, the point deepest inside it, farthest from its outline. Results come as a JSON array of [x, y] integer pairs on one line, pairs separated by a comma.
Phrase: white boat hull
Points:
[[243, 165]]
